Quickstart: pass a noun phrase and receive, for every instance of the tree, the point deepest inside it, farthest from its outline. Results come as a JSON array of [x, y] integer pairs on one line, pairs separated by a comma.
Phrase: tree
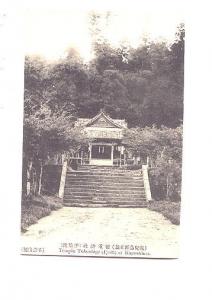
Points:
[[35, 78], [152, 79], [177, 49], [46, 134]]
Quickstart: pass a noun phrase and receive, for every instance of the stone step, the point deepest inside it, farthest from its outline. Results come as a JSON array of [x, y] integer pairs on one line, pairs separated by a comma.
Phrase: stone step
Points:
[[89, 173], [107, 192], [106, 204], [102, 199], [108, 168], [113, 187], [104, 180], [104, 191], [83, 175], [92, 167], [103, 196], [100, 204], [118, 170], [143, 204], [96, 184]]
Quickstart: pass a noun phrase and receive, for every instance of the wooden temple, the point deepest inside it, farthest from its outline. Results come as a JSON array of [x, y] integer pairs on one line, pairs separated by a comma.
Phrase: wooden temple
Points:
[[106, 146]]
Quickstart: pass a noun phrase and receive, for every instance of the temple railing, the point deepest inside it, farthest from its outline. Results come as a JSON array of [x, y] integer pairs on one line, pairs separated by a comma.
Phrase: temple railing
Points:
[[116, 161]]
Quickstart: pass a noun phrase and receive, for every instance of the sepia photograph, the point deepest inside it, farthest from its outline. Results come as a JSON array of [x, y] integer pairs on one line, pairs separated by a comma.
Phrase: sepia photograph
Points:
[[102, 133]]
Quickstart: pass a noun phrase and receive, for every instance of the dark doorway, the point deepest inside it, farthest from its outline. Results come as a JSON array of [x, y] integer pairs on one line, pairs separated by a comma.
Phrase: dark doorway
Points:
[[101, 152]]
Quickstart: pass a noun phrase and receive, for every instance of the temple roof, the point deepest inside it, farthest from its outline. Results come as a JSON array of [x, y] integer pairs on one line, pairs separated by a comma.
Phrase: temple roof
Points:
[[101, 120]]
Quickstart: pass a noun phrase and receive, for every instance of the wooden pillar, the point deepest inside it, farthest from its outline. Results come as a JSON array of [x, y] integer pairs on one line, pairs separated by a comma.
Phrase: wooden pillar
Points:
[[90, 152], [120, 157], [112, 149], [81, 157]]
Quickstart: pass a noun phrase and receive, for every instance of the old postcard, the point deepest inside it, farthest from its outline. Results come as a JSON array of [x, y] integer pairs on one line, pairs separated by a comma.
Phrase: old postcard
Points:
[[102, 133]]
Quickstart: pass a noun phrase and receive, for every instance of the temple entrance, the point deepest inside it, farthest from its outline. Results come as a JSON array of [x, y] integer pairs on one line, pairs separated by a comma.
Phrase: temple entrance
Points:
[[101, 152], [101, 155]]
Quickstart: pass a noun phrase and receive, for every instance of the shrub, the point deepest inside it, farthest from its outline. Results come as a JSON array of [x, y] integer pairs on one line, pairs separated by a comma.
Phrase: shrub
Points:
[[134, 167], [169, 209], [36, 208], [165, 179]]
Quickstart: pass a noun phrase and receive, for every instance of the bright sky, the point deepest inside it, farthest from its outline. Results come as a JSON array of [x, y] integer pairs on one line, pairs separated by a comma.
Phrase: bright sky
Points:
[[50, 32]]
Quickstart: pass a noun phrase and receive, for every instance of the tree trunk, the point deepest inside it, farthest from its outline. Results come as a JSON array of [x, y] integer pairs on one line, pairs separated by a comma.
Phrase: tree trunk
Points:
[[167, 187], [34, 182], [24, 178], [40, 178], [29, 178]]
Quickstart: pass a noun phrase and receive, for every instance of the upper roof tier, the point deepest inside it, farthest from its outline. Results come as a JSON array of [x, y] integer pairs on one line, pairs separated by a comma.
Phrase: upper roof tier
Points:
[[101, 120]]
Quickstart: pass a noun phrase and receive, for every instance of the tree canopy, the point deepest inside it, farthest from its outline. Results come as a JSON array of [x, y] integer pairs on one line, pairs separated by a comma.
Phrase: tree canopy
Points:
[[144, 85]]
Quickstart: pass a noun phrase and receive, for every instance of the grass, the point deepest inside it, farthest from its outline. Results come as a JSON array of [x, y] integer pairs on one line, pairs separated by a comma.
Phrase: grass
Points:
[[36, 208], [170, 210]]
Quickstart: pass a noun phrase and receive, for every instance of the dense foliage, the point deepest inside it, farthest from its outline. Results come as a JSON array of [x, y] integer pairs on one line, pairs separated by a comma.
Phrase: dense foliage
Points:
[[144, 85], [163, 147], [46, 134]]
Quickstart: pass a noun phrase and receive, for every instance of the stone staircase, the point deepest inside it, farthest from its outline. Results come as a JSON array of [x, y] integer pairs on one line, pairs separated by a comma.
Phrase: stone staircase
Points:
[[93, 186]]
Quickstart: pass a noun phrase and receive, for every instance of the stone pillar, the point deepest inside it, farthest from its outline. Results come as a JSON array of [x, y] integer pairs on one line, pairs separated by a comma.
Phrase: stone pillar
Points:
[[146, 182], [63, 179]]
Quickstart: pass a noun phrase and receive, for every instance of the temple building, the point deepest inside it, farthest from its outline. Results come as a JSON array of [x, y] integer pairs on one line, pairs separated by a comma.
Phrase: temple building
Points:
[[106, 146]]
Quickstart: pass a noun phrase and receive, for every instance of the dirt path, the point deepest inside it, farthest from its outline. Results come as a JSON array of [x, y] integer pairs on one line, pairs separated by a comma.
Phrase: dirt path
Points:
[[120, 228]]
